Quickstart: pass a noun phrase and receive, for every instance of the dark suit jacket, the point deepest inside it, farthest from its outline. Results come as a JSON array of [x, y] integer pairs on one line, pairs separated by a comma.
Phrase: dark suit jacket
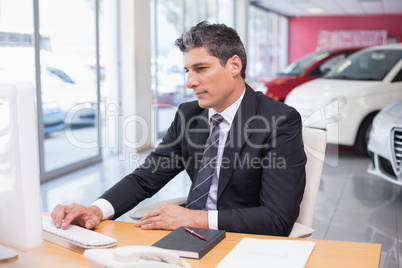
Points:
[[262, 175]]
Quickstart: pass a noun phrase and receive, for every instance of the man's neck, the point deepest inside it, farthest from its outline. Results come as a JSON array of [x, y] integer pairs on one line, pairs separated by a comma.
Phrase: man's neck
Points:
[[238, 91]]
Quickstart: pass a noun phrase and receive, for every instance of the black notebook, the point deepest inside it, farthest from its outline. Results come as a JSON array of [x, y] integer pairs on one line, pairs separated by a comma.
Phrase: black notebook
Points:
[[188, 245]]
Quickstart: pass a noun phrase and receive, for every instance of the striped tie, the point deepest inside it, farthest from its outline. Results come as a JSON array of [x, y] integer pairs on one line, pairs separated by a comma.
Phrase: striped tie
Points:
[[198, 195]]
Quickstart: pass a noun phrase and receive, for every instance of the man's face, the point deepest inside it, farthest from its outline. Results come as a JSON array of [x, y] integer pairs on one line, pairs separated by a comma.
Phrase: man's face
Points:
[[212, 83]]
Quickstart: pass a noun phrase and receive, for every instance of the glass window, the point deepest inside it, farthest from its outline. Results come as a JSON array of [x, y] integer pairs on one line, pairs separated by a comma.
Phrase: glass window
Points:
[[258, 48], [17, 39], [167, 63], [171, 19], [67, 50], [68, 79], [369, 65], [398, 77], [299, 66], [267, 43]]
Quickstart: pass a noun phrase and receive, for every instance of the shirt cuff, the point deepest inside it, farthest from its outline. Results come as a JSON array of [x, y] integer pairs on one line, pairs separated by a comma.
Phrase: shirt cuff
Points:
[[213, 219], [106, 208]]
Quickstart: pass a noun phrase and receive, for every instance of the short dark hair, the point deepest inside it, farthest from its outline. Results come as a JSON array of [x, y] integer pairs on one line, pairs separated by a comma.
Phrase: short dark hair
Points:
[[220, 40]]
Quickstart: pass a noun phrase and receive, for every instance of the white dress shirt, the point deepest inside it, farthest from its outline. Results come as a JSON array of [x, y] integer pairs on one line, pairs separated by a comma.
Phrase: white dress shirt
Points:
[[224, 127], [228, 115]]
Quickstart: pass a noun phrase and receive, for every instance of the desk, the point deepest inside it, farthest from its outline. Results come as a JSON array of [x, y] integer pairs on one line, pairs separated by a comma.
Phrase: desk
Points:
[[325, 254]]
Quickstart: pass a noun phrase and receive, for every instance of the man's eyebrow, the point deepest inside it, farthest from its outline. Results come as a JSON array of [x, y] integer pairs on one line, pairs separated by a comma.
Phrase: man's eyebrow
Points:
[[196, 65]]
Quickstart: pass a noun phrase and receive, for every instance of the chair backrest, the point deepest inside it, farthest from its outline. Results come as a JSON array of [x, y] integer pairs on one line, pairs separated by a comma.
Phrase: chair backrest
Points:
[[315, 141]]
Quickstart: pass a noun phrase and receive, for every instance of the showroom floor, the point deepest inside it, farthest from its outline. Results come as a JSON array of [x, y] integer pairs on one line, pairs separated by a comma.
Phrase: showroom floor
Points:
[[351, 205]]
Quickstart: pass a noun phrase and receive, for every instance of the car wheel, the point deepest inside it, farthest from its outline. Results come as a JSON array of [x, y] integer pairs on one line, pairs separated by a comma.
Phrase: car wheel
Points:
[[363, 135]]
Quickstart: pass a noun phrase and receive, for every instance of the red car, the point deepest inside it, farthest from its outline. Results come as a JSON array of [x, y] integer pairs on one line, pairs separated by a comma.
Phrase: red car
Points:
[[301, 71]]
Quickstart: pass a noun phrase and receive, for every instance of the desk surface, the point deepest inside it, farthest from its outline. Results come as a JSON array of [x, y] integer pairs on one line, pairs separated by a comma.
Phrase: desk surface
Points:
[[325, 253]]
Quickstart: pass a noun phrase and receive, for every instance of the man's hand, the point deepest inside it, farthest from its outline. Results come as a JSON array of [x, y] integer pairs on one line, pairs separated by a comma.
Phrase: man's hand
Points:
[[169, 217], [87, 217]]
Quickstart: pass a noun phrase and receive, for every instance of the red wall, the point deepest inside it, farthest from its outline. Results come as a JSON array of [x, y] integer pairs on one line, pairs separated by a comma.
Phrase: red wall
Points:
[[303, 31]]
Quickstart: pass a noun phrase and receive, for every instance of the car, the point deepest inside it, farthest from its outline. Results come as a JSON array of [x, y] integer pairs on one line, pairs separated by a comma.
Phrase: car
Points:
[[346, 99], [71, 85], [52, 116], [301, 71], [74, 89], [385, 144]]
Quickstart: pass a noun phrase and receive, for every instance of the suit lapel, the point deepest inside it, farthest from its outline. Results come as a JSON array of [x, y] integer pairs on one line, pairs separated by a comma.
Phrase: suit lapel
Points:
[[237, 136]]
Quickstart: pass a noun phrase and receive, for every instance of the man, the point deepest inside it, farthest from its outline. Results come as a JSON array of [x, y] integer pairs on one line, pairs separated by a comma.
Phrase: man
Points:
[[257, 174]]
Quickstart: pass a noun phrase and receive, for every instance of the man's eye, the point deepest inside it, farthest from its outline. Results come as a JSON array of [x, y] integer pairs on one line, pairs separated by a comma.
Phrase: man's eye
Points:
[[201, 68]]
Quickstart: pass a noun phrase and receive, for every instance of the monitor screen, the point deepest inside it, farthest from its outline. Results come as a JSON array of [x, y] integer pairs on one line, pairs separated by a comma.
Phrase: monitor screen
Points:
[[20, 208]]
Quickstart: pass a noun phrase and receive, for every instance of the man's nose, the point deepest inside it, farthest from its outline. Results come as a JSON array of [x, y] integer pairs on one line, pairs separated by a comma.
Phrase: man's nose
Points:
[[191, 81]]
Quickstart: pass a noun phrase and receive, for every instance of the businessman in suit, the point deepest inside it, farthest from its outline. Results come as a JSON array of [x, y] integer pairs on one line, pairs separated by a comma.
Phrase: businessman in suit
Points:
[[258, 166]]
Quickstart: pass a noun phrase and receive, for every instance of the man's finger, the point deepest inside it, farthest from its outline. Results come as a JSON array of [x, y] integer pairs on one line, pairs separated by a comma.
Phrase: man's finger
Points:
[[73, 211], [59, 215]]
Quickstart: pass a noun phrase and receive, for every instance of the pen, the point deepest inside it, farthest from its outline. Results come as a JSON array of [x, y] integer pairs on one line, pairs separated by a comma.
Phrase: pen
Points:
[[194, 233]]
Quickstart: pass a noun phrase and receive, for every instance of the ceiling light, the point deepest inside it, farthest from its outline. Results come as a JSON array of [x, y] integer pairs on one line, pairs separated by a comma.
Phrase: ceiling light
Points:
[[315, 10]]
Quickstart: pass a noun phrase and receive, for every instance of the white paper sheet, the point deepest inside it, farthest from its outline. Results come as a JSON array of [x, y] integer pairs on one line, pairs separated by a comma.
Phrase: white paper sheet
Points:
[[252, 252]]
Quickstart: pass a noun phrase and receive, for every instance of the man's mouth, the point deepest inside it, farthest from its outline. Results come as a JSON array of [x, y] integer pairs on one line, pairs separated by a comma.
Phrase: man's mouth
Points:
[[199, 93]]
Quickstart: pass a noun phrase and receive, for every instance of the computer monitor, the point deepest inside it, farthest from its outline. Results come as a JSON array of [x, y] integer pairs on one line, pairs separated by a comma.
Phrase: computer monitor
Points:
[[20, 206]]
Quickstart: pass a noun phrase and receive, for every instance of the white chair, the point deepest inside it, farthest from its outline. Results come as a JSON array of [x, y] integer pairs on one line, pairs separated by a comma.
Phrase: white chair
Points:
[[315, 141]]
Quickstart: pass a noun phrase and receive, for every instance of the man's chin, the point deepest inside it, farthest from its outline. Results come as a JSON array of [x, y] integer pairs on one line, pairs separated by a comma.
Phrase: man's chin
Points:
[[203, 104]]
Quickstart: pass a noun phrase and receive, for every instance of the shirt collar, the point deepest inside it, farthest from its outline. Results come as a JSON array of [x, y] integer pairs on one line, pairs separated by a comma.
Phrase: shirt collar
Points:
[[230, 112]]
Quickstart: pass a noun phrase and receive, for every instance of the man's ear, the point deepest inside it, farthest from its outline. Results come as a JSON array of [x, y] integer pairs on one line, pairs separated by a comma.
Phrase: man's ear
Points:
[[236, 65]]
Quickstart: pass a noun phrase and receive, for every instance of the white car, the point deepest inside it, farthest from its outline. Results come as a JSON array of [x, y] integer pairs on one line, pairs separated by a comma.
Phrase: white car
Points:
[[385, 144], [74, 89], [345, 101], [71, 85]]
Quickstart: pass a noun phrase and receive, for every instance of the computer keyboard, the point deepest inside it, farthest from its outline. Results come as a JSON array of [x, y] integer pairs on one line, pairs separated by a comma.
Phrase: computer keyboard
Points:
[[75, 237]]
